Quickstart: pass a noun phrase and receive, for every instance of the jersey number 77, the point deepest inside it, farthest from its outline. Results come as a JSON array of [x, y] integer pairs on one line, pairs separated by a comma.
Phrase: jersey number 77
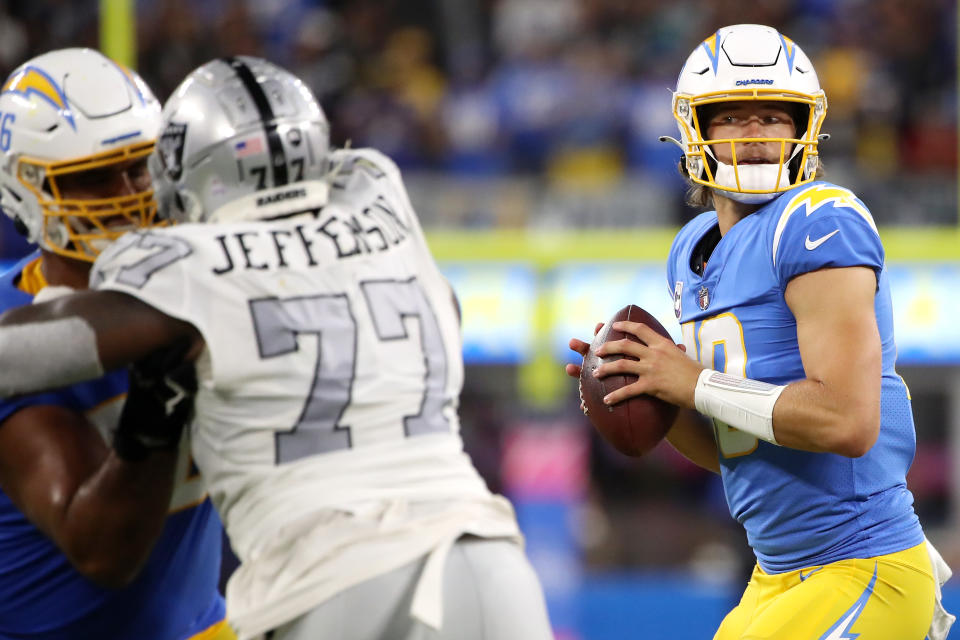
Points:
[[279, 321]]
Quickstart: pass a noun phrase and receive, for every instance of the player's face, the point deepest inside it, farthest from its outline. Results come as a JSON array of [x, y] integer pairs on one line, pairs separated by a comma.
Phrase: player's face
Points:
[[751, 119], [115, 181], [124, 179]]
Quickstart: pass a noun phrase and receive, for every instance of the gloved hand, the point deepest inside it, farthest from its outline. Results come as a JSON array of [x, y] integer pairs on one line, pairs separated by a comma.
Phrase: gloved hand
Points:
[[159, 402]]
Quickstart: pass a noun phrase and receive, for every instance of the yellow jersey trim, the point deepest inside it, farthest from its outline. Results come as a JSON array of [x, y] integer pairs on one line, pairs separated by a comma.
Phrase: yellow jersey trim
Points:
[[217, 631], [31, 278]]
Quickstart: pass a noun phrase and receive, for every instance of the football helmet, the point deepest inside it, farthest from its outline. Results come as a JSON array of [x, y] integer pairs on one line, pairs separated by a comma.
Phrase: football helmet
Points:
[[236, 128], [749, 62], [62, 114]]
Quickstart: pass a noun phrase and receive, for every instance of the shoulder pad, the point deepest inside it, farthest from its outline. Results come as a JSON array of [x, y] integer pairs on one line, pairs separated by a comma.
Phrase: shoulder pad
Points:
[[819, 197]]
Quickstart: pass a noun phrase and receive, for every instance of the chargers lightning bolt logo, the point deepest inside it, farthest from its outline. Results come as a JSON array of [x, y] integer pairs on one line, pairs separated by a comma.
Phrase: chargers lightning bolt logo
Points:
[[814, 197], [821, 194], [33, 81], [841, 628]]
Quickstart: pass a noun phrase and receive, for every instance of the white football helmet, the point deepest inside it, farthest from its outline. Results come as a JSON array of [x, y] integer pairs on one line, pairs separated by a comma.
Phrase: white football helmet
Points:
[[243, 132], [63, 113], [749, 62]]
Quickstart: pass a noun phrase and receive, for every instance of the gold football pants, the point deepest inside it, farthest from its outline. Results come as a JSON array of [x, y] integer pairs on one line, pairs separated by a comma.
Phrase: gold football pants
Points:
[[889, 597]]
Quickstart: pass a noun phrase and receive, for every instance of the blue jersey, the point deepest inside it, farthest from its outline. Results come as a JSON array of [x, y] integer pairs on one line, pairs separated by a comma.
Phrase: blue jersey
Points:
[[43, 597], [799, 509]]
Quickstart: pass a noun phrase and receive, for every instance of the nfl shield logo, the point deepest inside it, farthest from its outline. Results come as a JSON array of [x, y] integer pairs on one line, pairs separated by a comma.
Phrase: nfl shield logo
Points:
[[703, 298], [677, 291]]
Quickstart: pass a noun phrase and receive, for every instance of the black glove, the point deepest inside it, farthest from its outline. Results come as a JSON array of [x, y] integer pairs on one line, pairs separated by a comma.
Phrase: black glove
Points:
[[159, 402]]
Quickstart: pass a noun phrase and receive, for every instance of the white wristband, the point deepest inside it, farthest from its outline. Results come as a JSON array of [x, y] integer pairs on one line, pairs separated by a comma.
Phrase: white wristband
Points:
[[742, 403]]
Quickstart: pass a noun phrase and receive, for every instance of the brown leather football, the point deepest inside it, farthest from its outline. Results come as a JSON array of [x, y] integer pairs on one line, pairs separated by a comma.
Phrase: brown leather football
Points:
[[636, 425]]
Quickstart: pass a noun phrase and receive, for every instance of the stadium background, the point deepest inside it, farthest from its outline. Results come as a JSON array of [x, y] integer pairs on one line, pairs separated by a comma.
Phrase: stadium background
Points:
[[527, 132]]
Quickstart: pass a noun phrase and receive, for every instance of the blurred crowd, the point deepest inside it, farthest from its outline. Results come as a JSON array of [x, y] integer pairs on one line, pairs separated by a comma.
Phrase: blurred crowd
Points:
[[574, 92]]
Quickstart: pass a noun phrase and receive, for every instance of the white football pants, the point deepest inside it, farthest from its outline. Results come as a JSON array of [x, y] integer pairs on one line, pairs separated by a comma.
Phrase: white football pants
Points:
[[490, 592]]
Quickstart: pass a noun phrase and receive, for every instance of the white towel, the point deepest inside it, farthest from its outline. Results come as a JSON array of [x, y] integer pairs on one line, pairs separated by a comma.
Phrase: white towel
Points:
[[942, 621], [427, 606]]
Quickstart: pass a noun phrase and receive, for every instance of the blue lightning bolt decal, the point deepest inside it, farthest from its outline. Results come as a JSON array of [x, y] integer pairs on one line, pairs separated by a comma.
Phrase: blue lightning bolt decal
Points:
[[841, 628]]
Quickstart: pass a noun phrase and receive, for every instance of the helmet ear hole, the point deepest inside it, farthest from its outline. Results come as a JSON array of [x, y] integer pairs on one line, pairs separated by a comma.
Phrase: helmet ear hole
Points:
[[178, 199], [188, 203], [21, 227]]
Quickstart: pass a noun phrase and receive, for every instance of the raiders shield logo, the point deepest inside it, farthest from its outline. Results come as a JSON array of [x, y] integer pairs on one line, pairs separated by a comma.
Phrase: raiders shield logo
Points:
[[170, 149], [703, 298], [677, 293]]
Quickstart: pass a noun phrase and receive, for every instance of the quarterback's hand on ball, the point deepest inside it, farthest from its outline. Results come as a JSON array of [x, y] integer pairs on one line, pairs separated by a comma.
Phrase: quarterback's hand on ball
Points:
[[581, 347], [573, 370], [662, 367]]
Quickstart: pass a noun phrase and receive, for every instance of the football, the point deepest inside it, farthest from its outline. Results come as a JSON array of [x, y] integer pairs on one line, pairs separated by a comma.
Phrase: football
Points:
[[636, 425]]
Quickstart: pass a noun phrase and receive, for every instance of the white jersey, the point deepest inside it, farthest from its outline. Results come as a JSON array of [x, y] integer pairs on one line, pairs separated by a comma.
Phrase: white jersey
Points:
[[326, 423]]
